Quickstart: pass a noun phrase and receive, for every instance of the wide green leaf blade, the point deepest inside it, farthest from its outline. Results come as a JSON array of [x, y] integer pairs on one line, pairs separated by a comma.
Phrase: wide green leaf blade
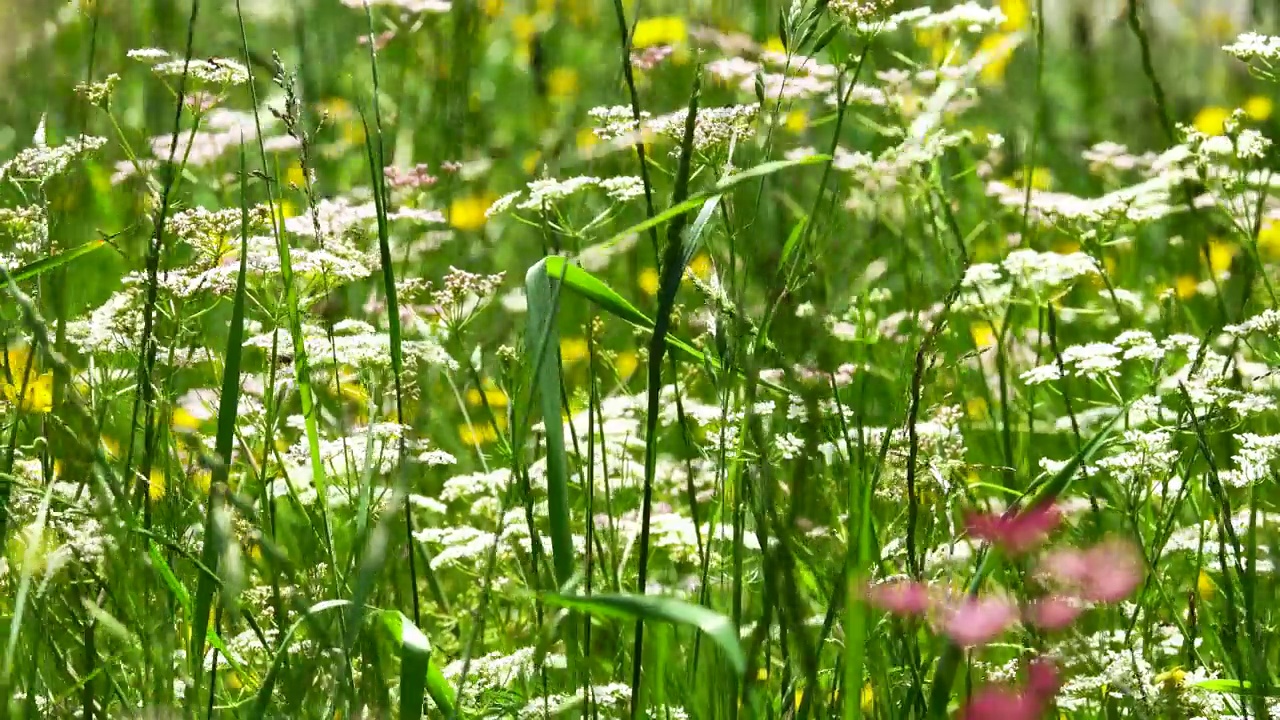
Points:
[[656, 608], [419, 677]]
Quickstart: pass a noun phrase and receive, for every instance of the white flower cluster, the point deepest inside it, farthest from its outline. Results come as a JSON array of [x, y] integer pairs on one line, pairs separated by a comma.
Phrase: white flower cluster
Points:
[[967, 17], [784, 78], [214, 71], [1040, 275], [546, 192], [220, 130], [1254, 46], [42, 163], [1266, 322], [714, 127]]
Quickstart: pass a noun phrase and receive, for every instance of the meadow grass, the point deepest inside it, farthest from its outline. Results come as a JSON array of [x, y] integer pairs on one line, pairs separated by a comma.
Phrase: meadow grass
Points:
[[452, 359]]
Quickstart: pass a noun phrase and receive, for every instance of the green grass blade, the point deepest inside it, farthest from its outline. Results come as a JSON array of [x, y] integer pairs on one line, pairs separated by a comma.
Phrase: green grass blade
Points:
[[44, 265], [656, 608], [228, 414], [419, 677], [696, 199], [543, 338]]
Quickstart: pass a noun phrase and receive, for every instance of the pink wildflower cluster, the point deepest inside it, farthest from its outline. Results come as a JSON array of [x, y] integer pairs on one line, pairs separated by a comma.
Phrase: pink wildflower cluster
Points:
[[415, 177], [1072, 578]]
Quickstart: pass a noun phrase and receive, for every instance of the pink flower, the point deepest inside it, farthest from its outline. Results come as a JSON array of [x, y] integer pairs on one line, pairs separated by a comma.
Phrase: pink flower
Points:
[[1016, 532], [1053, 612], [1043, 678], [978, 620], [1002, 703], [1107, 572], [906, 598]]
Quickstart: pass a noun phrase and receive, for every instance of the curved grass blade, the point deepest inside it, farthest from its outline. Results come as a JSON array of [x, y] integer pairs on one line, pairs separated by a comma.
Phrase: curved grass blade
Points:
[[656, 608], [698, 198], [44, 265], [949, 663], [263, 701], [418, 676]]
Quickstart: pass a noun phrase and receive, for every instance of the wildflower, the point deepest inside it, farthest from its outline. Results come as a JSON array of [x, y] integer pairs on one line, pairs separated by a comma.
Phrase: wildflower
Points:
[[98, 93], [905, 598], [1053, 612], [1253, 46], [562, 82], [1016, 532], [974, 621], [1107, 572], [1211, 120], [1000, 702], [661, 30], [42, 163], [469, 213], [22, 385], [1258, 107], [214, 71]]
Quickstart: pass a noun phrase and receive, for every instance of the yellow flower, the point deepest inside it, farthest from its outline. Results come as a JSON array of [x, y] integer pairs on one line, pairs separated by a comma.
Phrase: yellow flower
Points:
[[586, 139], [1186, 286], [626, 364], [156, 487], [203, 480], [984, 335], [774, 45], [1258, 107], [868, 698], [976, 408], [1064, 246], [661, 30], [1211, 120], [701, 267], [495, 397], [648, 281], [1001, 53], [530, 162], [524, 27], [573, 350], [1041, 178], [797, 121], [492, 8], [295, 175], [468, 213], [1205, 585], [1269, 238], [1017, 15], [22, 384], [477, 434], [1171, 679], [184, 421], [1220, 255], [562, 82]]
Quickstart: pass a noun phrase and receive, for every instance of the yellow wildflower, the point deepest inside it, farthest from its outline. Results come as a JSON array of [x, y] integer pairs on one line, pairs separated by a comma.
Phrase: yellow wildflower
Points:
[[1269, 239], [648, 281], [477, 434], [524, 27], [701, 267], [1001, 53], [1211, 120], [661, 30], [156, 486], [984, 335], [1258, 107], [468, 213], [573, 350], [1220, 255], [797, 121], [23, 385], [1205, 585], [626, 364], [494, 396], [1017, 15], [774, 45], [1186, 286], [976, 408], [295, 175], [562, 82], [586, 139]]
